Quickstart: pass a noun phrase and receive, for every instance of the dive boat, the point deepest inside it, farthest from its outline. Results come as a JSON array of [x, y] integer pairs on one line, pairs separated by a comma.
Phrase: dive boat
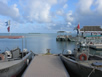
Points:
[[82, 64], [13, 62]]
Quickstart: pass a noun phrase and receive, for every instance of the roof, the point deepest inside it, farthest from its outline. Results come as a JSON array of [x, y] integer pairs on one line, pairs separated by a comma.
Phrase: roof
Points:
[[91, 28], [11, 37]]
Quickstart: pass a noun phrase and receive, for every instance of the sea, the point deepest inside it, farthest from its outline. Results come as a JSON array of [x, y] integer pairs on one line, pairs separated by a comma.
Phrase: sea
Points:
[[39, 43], [36, 42]]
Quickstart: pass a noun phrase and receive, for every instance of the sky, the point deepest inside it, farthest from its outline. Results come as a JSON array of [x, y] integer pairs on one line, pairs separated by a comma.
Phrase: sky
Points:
[[49, 16]]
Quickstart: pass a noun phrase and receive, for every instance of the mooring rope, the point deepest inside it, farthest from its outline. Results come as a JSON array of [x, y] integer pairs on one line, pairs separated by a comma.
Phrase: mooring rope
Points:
[[93, 70]]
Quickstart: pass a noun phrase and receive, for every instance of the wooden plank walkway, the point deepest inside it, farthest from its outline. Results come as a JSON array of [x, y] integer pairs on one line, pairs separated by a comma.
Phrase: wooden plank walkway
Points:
[[46, 66]]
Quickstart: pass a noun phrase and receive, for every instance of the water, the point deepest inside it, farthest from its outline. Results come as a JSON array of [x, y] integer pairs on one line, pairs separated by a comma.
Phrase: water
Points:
[[38, 43]]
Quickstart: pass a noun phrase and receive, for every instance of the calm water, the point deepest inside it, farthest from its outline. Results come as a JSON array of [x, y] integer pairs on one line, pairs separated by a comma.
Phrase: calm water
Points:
[[38, 43]]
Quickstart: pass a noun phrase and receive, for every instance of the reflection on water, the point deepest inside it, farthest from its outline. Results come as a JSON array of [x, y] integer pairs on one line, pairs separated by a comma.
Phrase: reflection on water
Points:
[[38, 43]]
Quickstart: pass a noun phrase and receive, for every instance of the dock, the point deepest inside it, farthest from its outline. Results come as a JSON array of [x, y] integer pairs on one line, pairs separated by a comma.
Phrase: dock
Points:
[[46, 66]]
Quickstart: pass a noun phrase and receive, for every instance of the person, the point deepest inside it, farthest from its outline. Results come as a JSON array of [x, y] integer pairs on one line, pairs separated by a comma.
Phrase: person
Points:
[[82, 34], [91, 34]]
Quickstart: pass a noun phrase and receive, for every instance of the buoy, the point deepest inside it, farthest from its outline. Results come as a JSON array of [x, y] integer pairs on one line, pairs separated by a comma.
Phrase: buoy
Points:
[[2, 57], [81, 57]]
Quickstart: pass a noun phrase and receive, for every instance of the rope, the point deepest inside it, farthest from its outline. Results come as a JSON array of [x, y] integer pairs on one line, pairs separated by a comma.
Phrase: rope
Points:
[[92, 71]]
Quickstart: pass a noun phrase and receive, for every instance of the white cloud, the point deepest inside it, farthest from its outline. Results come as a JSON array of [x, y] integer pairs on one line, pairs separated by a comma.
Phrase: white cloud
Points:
[[10, 11], [69, 16], [98, 9], [65, 6], [88, 12], [85, 6], [38, 10], [69, 23], [60, 12]]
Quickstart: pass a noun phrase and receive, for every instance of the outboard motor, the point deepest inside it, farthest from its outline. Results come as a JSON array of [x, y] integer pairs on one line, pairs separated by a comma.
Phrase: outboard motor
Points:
[[9, 55], [69, 52], [25, 52]]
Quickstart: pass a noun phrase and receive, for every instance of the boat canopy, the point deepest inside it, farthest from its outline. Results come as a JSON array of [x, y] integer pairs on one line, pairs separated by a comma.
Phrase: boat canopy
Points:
[[63, 32], [11, 37]]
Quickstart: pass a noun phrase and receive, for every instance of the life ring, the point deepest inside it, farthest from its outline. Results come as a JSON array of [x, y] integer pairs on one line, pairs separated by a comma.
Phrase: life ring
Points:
[[2, 57], [81, 57]]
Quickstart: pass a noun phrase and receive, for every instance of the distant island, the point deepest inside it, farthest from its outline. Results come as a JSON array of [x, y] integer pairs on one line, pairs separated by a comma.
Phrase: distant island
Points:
[[34, 33]]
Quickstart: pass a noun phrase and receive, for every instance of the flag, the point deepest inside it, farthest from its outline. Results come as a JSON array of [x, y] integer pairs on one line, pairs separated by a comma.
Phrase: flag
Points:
[[6, 23], [8, 29], [78, 29]]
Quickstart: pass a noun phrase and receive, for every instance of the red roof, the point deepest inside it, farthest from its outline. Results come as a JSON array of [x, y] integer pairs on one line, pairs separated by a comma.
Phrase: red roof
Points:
[[11, 37]]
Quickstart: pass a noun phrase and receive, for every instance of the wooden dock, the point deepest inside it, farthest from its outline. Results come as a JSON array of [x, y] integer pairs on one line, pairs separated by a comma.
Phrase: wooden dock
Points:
[[46, 66]]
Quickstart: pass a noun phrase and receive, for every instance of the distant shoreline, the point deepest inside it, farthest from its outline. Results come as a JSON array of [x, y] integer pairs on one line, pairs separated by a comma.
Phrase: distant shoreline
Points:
[[34, 33]]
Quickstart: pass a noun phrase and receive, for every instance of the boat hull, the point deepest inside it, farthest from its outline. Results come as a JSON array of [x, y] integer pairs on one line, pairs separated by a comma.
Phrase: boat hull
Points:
[[80, 70], [17, 68]]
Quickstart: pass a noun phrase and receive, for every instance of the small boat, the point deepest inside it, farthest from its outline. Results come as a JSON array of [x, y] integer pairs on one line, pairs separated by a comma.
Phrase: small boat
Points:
[[13, 62], [62, 36], [82, 64]]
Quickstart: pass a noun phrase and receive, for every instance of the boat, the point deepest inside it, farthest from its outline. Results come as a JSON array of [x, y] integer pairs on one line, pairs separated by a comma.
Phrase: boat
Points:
[[13, 62], [62, 36], [82, 64]]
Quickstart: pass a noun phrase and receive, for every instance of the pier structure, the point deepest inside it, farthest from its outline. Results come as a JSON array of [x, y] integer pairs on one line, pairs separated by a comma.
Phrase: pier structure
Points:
[[46, 66], [96, 46], [62, 36], [93, 30]]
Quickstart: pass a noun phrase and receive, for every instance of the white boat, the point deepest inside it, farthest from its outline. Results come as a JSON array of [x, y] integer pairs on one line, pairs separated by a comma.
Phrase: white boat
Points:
[[13, 62]]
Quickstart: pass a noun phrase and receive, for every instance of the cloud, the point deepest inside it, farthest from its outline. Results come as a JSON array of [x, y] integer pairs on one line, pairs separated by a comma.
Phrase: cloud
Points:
[[60, 12], [98, 4], [4, 1], [10, 11], [84, 6], [37, 10], [65, 6], [69, 16], [88, 12]]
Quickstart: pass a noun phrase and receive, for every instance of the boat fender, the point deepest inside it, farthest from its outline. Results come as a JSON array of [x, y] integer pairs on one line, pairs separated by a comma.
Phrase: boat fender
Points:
[[27, 61], [81, 57], [2, 57]]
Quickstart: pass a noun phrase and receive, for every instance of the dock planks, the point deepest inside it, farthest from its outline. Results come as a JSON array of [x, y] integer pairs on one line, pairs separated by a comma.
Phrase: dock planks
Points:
[[46, 66]]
